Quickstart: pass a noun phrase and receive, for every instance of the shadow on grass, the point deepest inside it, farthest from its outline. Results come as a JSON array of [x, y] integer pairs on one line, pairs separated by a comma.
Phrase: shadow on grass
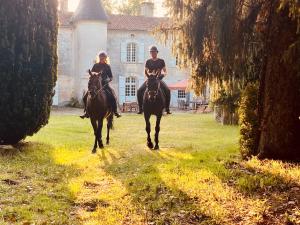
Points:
[[281, 192], [242, 187], [33, 187], [158, 202]]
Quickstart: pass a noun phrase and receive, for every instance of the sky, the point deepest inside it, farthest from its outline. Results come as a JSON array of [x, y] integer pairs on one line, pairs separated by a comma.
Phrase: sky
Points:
[[159, 11]]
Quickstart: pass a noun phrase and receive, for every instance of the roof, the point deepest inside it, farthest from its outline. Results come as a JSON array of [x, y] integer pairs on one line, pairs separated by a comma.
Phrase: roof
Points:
[[90, 10], [120, 22], [135, 23], [181, 85]]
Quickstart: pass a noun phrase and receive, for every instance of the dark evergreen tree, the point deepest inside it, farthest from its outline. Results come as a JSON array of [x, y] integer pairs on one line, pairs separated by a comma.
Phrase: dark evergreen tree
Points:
[[28, 66]]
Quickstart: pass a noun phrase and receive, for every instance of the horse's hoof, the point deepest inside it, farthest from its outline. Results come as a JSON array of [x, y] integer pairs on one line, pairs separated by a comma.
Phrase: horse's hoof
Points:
[[150, 145], [94, 151], [101, 146], [156, 147]]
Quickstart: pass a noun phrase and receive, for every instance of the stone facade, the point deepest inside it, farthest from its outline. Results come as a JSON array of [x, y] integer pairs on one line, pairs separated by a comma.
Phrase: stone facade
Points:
[[80, 41]]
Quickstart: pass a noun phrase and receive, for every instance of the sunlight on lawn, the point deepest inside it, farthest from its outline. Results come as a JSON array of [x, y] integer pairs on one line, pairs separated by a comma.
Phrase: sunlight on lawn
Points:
[[196, 178]]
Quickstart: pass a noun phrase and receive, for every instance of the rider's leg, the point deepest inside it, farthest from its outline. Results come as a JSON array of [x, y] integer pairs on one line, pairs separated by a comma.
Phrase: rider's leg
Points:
[[167, 92], [140, 96], [113, 101], [85, 115]]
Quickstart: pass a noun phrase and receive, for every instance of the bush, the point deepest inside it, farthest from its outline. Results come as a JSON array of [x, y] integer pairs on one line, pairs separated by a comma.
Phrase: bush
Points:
[[28, 62], [248, 119], [226, 106]]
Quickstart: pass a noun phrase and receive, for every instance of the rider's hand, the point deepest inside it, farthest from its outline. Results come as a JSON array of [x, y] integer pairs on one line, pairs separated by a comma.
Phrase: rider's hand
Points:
[[160, 77]]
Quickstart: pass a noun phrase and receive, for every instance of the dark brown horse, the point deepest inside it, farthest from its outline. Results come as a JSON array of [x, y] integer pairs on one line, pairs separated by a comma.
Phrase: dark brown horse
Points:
[[153, 104], [98, 109]]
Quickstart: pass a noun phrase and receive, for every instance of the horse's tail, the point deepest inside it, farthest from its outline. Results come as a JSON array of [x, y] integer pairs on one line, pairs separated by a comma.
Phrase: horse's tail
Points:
[[110, 121]]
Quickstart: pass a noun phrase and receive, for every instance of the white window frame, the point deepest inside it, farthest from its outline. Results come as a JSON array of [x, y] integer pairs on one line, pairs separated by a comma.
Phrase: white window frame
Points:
[[130, 86], [131, 52], [181, 94]]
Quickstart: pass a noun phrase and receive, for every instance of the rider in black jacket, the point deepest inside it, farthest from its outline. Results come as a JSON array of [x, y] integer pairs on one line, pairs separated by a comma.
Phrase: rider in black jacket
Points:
[[157, 66], [106, 77]]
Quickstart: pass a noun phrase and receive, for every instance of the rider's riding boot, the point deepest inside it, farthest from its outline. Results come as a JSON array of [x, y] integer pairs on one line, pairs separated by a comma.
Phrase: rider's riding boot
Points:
[[117, 114], [168, 111], [140, 110], [85, 115], [115, 107]]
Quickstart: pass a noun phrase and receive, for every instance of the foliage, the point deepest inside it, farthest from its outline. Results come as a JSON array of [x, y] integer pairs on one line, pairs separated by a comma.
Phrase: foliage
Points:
[[74, 103], [109, 5], [130, 7], [248, 116], [196, 178], [227, 41], [28, 62]]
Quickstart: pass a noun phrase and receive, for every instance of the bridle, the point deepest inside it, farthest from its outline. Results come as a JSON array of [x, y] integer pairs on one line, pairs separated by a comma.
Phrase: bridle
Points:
[[156, 91], [99, 90]]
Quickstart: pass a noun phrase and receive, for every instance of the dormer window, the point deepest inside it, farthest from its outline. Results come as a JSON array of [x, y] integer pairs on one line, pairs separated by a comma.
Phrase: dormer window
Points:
[[131, 52]]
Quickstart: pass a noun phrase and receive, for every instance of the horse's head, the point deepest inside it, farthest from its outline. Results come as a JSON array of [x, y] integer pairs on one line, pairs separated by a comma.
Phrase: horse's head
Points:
[[94, 83], [153, 86]]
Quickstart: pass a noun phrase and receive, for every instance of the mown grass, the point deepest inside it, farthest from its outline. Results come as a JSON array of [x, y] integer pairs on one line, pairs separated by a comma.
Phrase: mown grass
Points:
[[196, 178]]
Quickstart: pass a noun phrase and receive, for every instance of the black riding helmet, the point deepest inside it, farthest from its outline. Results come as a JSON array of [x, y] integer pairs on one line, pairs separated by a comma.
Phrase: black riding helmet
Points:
[[153, 49]]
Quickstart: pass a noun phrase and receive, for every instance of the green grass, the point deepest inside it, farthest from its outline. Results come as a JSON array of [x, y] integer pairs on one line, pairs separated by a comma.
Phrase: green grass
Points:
[[196, 178]]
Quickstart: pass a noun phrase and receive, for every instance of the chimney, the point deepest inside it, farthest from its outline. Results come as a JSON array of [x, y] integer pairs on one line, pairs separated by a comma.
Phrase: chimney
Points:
[[147, 9], [64, 6]]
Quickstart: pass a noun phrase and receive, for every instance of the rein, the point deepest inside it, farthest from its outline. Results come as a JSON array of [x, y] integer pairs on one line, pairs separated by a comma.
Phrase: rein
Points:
[[158, 88], [101, 89]]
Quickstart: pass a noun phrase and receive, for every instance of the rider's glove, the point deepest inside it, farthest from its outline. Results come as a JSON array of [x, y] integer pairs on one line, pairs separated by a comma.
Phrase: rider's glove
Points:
[[160, 77]]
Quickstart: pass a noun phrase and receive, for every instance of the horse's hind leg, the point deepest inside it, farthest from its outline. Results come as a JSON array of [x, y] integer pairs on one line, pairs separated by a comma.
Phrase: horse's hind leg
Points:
[[109, 126], [107, 136], [157, 129], [95, 127], [148, 130], [100, 125]]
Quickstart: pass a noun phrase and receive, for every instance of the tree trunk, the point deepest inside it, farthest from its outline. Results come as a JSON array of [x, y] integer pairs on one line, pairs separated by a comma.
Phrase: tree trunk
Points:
[[280, 124]]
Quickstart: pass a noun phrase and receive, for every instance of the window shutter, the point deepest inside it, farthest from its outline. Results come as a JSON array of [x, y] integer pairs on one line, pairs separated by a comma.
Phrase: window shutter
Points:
[[141, 80], [123, 51], [121, 89], [141, 52]]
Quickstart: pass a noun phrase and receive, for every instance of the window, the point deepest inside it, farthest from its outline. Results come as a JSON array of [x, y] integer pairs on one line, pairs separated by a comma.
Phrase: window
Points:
[[130, 87], [131, 52], [181, 94]]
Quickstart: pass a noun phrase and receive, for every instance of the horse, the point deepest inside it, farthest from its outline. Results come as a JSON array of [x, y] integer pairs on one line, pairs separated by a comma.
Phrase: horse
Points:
[[153, 104], [98, 109]]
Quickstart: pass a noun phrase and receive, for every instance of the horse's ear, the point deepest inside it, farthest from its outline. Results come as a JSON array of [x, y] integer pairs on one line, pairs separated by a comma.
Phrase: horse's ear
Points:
[[90, 72]]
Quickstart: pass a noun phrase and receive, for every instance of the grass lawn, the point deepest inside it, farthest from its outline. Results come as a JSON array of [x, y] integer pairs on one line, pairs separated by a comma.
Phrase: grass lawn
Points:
[[196, 178]]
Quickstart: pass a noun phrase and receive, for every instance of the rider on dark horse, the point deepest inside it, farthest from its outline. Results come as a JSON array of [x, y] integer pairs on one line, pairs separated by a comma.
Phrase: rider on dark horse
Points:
[[106, 76], [155, 65]]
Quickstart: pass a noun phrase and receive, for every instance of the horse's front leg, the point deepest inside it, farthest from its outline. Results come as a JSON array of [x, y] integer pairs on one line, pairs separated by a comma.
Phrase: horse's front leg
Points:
[[157, 129], [100, 125], [148, 130], [95, 127]]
